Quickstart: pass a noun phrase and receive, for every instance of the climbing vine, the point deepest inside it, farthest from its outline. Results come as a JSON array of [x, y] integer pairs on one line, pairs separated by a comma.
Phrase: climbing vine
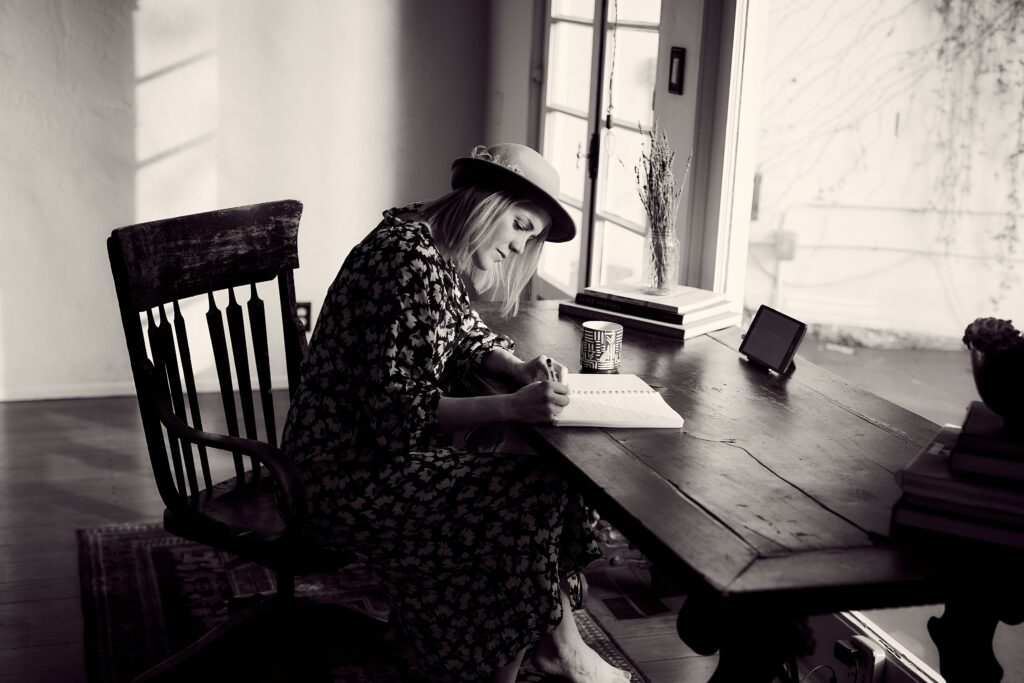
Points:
[[982, 61]]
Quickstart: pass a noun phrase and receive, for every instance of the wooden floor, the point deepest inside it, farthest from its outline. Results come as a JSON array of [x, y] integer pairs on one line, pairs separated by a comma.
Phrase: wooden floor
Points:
[[64, 465], [73, 464]]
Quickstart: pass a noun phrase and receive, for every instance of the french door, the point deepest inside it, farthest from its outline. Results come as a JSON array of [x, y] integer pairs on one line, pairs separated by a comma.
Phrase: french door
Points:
[[600, 75]]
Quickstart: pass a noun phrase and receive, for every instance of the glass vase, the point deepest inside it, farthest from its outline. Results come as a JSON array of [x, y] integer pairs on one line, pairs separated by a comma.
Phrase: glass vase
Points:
[[660, 271]]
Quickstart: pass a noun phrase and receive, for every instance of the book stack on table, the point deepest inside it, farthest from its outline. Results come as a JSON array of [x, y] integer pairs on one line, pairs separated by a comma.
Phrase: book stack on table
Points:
[[968, 481], [685, 312]]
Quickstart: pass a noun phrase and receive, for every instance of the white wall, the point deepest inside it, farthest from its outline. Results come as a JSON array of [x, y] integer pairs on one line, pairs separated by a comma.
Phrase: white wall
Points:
[[509, 74], [120, 111], [66, 170]]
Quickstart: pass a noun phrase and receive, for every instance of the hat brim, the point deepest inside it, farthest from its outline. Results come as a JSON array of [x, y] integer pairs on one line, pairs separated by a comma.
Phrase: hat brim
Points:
[[467, 171]]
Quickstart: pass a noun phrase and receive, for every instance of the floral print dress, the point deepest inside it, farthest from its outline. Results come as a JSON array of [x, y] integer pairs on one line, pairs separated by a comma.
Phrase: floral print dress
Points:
[[469, 546]]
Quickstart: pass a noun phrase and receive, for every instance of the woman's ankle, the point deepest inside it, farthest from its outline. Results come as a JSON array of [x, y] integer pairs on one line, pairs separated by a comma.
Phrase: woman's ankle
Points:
[[562, 640], [509, 672]]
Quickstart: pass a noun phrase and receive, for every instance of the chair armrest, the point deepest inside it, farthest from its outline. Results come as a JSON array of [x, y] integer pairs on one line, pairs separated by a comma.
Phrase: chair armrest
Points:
[[291, 493]]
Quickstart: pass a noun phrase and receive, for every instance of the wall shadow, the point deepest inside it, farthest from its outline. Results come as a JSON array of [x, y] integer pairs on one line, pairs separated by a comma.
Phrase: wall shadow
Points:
[[443, 71]]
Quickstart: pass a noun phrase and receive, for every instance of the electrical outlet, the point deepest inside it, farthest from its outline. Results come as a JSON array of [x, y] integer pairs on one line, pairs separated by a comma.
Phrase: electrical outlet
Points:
[[304, 310], [863, 657]]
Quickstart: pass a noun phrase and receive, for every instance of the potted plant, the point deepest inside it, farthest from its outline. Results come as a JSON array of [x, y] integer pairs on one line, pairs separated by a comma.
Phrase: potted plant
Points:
[[997, 360]]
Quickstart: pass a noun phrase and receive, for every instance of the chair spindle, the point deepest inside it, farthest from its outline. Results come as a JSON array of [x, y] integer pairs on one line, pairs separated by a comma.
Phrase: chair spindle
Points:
[[215, 323], [156, 345], [236, 328], [190, 386], [177, 398], [294, 334], [261, 355]]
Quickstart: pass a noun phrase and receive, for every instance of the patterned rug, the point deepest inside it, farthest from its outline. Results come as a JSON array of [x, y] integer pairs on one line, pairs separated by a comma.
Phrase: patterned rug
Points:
[[147, 594]]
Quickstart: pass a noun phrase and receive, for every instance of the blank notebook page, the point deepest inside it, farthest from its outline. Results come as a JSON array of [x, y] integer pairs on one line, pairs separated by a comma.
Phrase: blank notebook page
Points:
[[615, 401]]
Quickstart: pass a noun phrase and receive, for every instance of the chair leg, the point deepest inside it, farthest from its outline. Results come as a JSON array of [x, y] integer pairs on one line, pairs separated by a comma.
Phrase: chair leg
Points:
[[285, 585], [255, 643], [279, 638]]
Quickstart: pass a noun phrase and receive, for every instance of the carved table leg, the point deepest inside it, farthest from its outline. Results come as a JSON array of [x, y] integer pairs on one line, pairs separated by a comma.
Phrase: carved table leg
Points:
[[752, 647], [963, 634]]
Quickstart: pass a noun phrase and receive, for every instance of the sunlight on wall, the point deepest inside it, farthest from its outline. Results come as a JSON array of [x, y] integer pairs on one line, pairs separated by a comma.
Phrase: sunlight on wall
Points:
[[133, 110], [176, 93], [333, 103], [243, 101], [176, 98], [311, 109]]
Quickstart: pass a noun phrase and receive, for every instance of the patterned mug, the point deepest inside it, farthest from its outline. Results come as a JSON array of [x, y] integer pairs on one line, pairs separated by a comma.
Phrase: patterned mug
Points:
[[601, 346]]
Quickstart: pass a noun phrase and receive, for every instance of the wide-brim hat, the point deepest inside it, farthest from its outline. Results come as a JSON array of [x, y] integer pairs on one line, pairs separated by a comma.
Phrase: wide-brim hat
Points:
[[518, 170]]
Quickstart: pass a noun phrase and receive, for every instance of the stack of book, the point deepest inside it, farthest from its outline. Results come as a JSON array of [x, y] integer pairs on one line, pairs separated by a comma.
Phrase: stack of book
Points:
[[968, 481], [685, 312]]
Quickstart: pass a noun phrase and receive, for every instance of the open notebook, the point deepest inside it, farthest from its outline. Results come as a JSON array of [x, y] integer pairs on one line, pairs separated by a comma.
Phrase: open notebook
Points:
[[615, 401]]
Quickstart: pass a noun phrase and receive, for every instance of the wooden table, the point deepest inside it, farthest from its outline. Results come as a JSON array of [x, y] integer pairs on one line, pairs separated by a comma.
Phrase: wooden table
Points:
[[771, 504]]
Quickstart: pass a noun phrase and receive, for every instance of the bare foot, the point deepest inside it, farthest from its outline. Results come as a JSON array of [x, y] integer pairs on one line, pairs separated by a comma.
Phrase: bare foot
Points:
[[576, 663]]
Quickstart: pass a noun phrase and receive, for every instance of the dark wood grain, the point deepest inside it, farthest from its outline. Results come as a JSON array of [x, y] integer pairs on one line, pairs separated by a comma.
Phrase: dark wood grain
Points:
[[258, 518], [189, 255], [158, 345], [649, 509], [240, 354], [185, 353], [873, 577], [295, 342], [218, 342], [777, 492], [261, 357], [166, 336]]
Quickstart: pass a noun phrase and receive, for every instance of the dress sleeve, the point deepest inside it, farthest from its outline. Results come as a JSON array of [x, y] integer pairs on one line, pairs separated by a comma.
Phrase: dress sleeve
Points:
[[395, 384], [478, 339]]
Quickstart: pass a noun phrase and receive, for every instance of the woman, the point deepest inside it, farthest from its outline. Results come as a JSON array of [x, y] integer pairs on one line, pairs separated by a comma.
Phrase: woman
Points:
[[479, 552]]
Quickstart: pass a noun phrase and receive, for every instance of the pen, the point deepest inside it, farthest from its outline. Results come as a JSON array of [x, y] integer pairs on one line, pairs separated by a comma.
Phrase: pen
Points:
[[551, 372]]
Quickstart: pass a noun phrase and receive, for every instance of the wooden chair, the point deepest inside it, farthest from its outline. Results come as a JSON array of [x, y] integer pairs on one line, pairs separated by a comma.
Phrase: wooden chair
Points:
[[257, 514]]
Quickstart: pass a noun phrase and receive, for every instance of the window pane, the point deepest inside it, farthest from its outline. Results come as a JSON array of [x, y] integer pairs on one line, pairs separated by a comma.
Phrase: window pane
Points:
[[631, 84], [888, 172], [569, 53], [580, 9], [621, 253], [560, 261], [617, 192], [636, 10], [565, 146]]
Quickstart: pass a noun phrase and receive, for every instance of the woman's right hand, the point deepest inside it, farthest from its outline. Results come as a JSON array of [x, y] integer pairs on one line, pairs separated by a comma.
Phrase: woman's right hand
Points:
[[538, 401]]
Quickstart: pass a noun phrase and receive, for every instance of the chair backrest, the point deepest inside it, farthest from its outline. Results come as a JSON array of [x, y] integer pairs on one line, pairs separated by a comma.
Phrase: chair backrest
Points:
[[161, 263]]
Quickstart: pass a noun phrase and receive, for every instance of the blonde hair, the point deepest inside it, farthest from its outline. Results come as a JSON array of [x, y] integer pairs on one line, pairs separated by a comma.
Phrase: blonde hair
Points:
[[460, 222]]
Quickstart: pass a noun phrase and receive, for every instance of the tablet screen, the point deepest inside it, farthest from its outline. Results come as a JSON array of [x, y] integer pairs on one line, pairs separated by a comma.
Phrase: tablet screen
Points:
[[772, 338]]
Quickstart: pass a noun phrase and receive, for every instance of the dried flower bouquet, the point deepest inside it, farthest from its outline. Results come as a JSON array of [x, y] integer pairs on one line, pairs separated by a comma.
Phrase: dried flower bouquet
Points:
[[659, 193]]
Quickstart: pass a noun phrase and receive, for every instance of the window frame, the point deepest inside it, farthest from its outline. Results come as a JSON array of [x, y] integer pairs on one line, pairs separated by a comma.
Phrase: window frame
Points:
[[540, 287], [721, 123], [710, 117], [590, 243]]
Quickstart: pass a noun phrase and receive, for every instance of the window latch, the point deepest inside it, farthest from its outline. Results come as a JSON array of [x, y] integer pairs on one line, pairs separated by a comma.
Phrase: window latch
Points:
[[593, 154]]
